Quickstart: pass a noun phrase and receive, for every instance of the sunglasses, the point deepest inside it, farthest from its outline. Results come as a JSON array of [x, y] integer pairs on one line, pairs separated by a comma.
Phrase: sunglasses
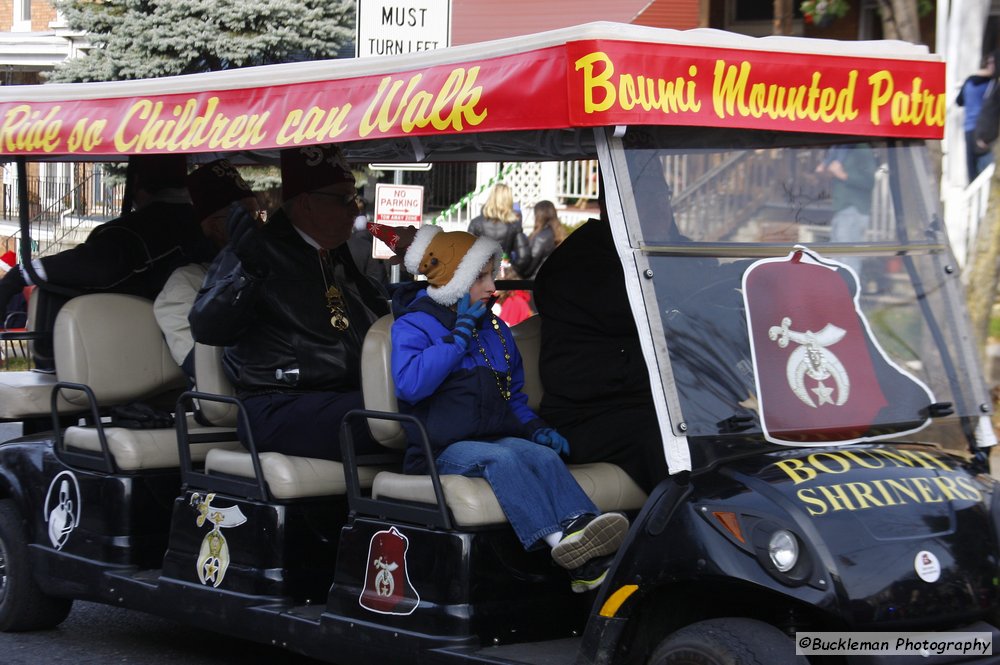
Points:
[[346, 200]]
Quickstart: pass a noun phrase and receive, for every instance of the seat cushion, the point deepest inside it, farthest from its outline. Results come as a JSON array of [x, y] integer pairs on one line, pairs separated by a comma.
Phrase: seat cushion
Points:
[[135, 449], [28, 395], [473, 503], [288, 476]]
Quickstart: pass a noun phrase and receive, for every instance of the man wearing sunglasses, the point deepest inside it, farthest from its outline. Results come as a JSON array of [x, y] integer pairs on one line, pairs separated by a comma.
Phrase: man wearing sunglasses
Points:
[[294, 311]]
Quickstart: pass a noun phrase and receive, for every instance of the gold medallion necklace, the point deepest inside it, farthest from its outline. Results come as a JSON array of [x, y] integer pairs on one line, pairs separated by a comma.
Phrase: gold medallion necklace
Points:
[[334, 298], [503, 386]]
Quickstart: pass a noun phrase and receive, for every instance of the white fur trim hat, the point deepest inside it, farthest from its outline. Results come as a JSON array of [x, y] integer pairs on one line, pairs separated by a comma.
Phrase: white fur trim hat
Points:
[[450, 260]]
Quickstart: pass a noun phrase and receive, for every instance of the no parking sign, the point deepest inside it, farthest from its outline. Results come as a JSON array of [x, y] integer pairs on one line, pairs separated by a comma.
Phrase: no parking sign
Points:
[[396, 205]]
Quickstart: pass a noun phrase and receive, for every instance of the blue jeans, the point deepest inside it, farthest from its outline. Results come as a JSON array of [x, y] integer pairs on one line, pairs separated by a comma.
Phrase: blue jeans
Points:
[[532, 484], [974, 162], [849, 225]]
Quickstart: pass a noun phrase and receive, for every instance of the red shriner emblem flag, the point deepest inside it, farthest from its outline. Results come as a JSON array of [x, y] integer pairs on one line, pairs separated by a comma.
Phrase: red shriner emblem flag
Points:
[[821, 375], [387, 587]]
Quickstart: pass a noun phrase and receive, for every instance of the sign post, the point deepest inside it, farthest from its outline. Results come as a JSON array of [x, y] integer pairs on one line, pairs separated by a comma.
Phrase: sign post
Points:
[[397, 27], [396, 205]]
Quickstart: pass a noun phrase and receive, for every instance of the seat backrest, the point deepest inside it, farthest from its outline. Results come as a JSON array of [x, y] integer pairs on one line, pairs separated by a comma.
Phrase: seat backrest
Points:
[[111, 343], [377, 386], [528, 337], [211, 378], [379, 389]]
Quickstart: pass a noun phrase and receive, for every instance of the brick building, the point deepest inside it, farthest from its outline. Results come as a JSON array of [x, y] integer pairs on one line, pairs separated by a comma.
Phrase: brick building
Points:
[[33, 38]]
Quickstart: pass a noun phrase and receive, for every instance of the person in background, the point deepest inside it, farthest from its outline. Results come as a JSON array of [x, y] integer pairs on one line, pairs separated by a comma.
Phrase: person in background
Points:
[[133, 254], [851, 170], [971, 97], [7, 262], [512, 306], [16, 314], [546, 236], [499, 221], [213, 187], [360, 243], [294, 310], [457, 369]]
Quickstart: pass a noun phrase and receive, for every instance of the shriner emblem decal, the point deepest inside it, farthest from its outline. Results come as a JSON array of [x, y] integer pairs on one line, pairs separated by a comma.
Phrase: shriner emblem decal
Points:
[[813, 359]]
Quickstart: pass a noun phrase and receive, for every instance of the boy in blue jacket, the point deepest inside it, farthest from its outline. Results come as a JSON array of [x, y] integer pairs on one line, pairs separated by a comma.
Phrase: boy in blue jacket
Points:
[[457, 369]]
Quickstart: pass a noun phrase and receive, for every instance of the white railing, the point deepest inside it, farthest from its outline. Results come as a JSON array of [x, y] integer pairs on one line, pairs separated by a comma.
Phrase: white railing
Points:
[[964, 209], [883, 221], [577, 180]]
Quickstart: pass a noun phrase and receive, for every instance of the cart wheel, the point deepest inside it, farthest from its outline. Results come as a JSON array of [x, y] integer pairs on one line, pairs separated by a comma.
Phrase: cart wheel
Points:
[[733, 641], [23, 606]]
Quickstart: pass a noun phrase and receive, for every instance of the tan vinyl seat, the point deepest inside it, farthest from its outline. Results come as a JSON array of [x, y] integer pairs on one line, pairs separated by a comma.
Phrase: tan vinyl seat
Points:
[[471, 500], [137, 449], [287, 476], [111, 343], [27, 394]]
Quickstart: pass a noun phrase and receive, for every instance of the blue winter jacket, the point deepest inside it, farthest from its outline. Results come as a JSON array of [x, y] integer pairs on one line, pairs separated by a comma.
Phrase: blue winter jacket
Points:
[[450, 388]]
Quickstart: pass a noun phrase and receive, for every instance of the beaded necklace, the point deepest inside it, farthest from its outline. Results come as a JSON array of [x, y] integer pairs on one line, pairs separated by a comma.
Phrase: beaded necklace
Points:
[[334, 297], [504, 389]]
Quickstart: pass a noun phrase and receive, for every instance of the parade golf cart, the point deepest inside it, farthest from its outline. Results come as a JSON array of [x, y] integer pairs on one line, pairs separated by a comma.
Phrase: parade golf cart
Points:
[[822, 410]]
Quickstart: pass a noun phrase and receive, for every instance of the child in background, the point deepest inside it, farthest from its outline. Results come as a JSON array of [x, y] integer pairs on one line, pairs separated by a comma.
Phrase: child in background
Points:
[[512, 306], [457, 369]]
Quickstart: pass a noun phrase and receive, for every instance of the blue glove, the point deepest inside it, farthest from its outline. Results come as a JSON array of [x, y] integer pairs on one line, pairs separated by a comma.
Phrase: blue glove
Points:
[[546, 436], [468, 315]]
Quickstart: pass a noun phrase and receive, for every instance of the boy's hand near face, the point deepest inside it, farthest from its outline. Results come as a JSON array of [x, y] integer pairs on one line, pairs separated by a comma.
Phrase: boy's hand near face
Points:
[[468, 315]]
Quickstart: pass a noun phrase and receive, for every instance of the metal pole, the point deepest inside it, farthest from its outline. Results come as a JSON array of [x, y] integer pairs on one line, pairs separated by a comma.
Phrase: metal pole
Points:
[[24, 218], [395, 274]]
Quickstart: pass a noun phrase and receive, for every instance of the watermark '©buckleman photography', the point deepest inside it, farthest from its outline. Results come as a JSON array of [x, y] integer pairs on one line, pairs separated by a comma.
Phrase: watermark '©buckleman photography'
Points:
[[893, 643]]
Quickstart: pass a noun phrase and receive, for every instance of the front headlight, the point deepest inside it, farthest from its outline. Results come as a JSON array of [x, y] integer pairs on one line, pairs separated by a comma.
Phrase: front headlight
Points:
[[783, 548], [782, 553]]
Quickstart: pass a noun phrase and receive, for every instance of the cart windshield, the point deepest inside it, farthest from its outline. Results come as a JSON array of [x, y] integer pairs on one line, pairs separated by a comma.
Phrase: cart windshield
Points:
[[803, 288]]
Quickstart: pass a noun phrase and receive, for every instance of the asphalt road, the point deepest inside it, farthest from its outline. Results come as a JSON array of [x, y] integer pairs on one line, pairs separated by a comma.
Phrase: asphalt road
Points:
[[100, 635]]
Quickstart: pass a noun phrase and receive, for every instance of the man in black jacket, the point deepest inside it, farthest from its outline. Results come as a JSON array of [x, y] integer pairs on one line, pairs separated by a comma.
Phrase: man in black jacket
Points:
[[133, 254], [294, 311], [597, 390]]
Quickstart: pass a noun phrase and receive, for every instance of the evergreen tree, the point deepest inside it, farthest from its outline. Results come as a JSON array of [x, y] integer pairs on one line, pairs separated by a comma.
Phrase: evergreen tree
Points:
[[150, 38]]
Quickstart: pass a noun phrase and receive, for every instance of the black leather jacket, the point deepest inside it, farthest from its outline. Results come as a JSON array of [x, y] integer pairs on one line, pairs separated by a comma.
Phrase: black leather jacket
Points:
[[503, 232], [134, 253], [541, 246], [281, 321]]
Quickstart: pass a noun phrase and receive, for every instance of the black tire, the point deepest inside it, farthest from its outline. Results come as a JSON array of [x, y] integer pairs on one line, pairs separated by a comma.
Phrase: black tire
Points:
[[732, 641], [23, 606]]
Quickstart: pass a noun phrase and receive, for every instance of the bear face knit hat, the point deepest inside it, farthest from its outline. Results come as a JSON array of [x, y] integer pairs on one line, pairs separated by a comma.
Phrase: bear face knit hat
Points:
[[312, 167], [214, 186], [451, 261]]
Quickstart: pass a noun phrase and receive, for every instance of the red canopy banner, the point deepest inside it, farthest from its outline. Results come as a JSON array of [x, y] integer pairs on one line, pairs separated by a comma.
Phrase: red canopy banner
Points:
[[583, 83], [821, 375], [631, 83]]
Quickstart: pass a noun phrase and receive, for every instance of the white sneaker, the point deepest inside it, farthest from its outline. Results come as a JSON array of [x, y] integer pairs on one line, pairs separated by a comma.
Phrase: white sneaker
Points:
[[587, 537]]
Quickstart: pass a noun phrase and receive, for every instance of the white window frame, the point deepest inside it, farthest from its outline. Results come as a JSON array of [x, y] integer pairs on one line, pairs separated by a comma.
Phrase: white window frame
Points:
[[21, 16]]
